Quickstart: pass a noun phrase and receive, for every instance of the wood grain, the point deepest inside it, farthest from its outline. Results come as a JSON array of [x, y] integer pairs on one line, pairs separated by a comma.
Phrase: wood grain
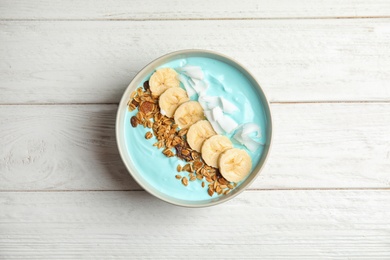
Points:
[[72, 147], [295, 60], [65, 193], [261, 224], [193, 9], [60, 147]]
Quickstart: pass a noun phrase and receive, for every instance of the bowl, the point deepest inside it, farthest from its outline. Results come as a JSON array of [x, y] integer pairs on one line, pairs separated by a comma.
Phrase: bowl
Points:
[[132, 160]]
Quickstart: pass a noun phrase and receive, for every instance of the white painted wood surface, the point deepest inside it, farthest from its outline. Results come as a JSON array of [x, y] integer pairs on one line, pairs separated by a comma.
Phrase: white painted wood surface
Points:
[[190, 9], [257, 224], [294, 60], [324, 194]]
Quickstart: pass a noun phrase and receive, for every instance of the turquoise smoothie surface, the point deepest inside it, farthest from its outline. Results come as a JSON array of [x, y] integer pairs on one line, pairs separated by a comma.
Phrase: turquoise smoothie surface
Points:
[[225, 81]]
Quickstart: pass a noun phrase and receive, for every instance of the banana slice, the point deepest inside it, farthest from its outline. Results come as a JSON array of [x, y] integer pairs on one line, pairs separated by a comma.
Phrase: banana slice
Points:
[[198, 133], [171, 99], [163, 79], [188, 114], [235, 164], [213, 147]]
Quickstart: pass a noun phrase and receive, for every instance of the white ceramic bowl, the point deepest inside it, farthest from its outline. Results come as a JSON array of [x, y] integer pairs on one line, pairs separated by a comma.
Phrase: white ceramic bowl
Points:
[[138, 81]]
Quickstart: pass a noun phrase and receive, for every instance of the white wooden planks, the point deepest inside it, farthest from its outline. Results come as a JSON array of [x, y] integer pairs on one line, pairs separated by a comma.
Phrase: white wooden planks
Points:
[[257, 224], [193, 9], [60, 147], [56, 160], [294, 60], [72, 147]]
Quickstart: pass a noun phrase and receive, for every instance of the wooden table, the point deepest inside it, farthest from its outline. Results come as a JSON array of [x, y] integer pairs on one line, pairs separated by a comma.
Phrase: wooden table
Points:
[[65, 193]]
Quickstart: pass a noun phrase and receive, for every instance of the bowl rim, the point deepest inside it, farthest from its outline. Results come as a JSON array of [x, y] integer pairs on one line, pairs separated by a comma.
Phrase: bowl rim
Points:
[[121, 113]]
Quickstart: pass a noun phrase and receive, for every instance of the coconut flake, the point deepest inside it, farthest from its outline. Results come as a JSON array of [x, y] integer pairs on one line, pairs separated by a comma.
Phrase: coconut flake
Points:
[[189, 89], [200, 86], [244, 135], [209, 115], [217, 113], [237, 136], [217, 128], [208, 102], [249, 128], [227, 106], [194, 72], [251, 144], [202, 103], [227, 123]]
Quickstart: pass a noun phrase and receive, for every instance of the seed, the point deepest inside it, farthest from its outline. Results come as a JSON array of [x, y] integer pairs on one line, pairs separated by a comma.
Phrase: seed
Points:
[[195, 155], [132, 107], [218, 190], [199, 176], [210, 192], [227, 192], [182, 132], [177, 139], [178, 176], [208, 179], [184, 181], [167, 152], [135, 102], [215, 185], [147, 98], [192, 178], [139, 91], [178, 168], [223, 186], [185, 152], [230, 186], [133, 94], [140, 116], [197, 164], [212, 171], [203, 184], [149, 124], [146, 85], [223, 181], [186, 168], [134, 121], [149, 116], [148, 135]]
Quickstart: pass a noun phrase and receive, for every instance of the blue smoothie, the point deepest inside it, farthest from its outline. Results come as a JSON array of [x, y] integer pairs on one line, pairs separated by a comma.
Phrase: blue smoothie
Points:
[[224, 81]]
